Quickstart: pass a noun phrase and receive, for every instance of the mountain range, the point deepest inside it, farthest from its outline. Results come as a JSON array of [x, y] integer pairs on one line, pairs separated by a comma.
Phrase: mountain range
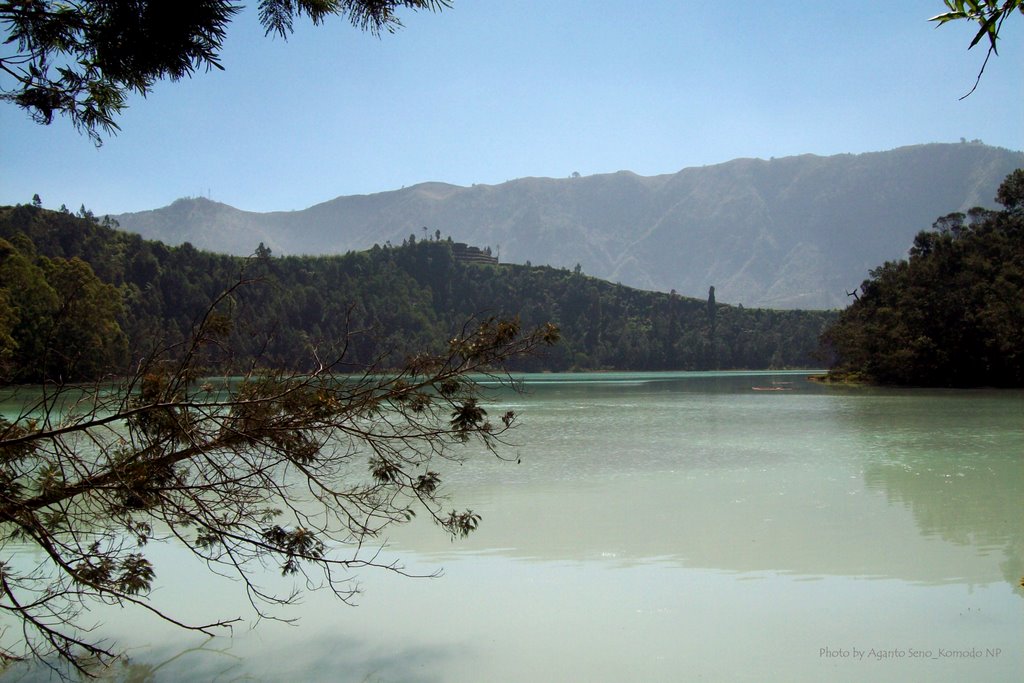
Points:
[[793, 232]]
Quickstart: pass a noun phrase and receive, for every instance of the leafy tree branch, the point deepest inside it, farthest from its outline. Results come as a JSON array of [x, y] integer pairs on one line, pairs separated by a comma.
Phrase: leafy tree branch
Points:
[[83, 59], [989, 15], [304, 472]]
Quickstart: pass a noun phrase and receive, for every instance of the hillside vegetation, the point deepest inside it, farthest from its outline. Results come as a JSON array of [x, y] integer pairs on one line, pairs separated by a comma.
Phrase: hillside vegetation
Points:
[[132, 294], [950, 315]]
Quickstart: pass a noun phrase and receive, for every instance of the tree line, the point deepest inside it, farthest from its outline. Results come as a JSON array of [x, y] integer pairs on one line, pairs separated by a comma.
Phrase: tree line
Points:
[[80, 299]]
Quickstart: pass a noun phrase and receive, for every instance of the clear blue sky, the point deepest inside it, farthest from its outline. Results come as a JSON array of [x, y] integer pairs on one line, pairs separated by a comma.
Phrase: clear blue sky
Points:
[[493, 90]]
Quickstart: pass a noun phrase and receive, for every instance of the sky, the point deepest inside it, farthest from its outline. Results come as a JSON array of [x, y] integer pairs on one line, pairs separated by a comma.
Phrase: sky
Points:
[[492, 90]]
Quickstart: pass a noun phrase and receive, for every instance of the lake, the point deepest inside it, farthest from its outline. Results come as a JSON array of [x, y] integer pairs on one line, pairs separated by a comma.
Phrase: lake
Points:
[[671, 527]]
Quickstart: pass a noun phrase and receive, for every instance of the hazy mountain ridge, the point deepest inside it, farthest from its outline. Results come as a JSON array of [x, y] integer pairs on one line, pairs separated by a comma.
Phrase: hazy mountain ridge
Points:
[[789, 232]]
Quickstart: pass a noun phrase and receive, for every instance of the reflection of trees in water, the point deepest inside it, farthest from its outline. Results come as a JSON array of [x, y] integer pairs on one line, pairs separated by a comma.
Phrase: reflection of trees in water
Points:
[[212, 660], [953, 458], [329, 658], [971, 499], [132, 671]]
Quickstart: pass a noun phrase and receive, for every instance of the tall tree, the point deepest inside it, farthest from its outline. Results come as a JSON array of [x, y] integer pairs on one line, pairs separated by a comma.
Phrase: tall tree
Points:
[[86, 339], [62, 321]]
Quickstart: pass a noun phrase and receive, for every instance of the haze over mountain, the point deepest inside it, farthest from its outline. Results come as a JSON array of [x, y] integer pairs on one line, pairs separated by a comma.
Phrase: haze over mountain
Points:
[[794, 232]]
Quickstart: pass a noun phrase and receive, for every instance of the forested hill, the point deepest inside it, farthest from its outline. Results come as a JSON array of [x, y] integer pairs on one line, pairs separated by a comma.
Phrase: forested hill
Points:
[[795, 232], [89, 298], [952, 314]]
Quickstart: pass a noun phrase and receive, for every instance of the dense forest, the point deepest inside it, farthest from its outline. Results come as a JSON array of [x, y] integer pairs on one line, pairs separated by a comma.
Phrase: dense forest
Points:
[[79, 299], [950, 315]]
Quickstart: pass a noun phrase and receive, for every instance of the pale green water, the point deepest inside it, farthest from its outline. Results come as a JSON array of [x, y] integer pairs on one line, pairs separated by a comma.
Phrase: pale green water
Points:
[[667, 527]]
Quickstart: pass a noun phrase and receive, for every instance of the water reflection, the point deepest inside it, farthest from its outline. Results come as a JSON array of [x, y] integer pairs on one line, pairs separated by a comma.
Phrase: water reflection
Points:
[[962, 480], [920, 486], [670, 527], [319, 656]]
